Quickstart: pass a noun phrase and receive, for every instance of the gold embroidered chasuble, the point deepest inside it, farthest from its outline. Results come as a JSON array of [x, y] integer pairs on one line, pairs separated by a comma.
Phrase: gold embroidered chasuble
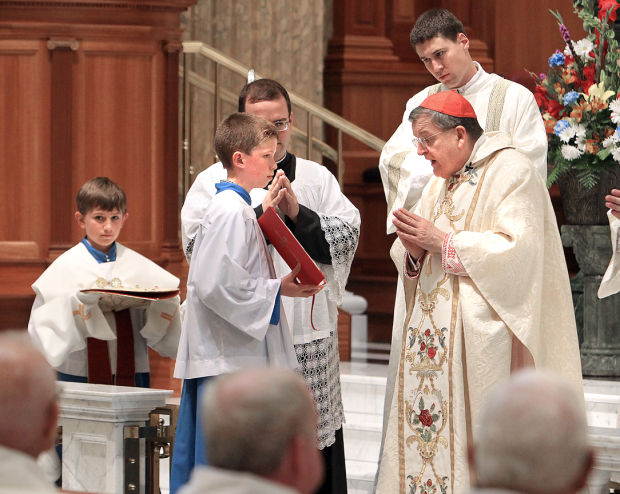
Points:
[[462, 334]]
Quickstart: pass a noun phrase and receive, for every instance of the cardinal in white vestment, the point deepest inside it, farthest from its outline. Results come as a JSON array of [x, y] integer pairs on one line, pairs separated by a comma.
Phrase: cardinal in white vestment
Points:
[[487, 291], [440, 41]]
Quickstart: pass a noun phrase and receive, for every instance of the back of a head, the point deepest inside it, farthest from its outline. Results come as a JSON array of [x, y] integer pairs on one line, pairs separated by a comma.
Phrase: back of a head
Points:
[[435, 22], [241, 132], [250, 418], [28, 392], [263, 90], [101, 192], [532, 437]]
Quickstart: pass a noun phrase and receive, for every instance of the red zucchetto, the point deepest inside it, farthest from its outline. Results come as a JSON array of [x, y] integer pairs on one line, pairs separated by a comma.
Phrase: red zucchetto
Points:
[[449, 103]]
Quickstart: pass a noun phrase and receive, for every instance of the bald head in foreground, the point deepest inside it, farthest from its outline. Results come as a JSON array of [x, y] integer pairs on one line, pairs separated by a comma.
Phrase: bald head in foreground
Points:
[[30, 413], [260, 432], [533, 438]]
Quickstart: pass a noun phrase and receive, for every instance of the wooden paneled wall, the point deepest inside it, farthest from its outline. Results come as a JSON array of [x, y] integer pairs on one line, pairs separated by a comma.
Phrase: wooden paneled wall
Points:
[[87, 88], [371, 71]]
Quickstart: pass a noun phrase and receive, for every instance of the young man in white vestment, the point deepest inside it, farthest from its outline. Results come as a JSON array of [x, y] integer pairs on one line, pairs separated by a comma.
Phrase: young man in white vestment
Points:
[[85, 338], [233, 318], [441, 42], [525, 447], [327, 226], [260, 433], [487, 292], [29, 417]]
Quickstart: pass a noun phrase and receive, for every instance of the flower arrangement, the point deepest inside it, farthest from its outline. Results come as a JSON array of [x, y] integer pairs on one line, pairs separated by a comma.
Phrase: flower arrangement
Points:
[[579, 99]]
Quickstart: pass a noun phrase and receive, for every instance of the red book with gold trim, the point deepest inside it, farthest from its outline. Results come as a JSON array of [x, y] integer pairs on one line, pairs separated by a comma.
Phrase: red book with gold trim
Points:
[[289, 248]]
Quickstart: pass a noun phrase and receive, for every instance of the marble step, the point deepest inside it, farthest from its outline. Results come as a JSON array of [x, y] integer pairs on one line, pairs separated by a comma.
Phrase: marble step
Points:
[[363, 390]]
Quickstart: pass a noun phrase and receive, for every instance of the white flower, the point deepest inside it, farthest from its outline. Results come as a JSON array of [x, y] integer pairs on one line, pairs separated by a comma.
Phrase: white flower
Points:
[[580, 131], [570, 152], [614, 106], [567, 134], [611, 140], [583, 47], [615, 152]]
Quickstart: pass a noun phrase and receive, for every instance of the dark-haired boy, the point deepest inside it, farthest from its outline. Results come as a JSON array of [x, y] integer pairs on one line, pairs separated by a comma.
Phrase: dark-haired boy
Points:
[[78, 332], [233, 318]]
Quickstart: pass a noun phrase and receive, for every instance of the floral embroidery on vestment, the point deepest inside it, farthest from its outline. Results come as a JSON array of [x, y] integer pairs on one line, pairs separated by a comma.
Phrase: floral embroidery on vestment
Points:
[[450, 261]]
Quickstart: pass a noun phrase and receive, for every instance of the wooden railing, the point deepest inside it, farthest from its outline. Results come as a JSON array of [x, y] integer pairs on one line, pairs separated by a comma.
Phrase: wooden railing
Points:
[[213, 86]]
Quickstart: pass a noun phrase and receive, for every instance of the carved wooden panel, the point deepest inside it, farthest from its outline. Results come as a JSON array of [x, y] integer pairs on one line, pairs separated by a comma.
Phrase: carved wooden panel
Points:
[[119, 131], [24, 148], [530, 36]]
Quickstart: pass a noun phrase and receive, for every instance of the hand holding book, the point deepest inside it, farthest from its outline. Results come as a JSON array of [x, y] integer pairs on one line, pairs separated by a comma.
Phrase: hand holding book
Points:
[[292, 288], [304, 268]]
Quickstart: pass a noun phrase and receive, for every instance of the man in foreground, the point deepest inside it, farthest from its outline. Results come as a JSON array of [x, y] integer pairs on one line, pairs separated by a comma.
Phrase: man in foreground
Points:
[[260, 434], [29, 417], [532, 438]]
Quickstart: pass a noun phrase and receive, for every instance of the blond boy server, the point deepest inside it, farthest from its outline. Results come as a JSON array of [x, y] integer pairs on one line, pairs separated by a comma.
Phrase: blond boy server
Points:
[[233, 318]]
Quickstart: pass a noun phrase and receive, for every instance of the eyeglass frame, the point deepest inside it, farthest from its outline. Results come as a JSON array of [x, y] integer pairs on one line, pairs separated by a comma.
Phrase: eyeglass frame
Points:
[[286, 124], [424, 141]]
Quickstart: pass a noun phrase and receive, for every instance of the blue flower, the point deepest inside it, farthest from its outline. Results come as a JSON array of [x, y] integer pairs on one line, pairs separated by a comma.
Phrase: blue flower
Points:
[[560, 126], [570, 97], [556, 60], [618, 132]]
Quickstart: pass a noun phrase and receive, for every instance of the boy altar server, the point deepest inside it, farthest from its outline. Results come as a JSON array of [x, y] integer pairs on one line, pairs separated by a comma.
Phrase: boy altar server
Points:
[[77, 331], [327, 225], [233, 318]]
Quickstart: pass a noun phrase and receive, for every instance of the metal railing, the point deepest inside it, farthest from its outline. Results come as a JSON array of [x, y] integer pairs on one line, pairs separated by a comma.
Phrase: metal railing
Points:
[[214, 86]]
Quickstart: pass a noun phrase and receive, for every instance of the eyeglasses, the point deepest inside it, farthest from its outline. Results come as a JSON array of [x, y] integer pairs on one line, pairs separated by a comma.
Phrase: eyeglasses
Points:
[[425, 141], [281, 125]]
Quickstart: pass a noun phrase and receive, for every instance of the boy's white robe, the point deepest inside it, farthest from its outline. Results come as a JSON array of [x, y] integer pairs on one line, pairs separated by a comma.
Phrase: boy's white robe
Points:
[[231, 294], [513, 305], [62, 317], [317, 189]]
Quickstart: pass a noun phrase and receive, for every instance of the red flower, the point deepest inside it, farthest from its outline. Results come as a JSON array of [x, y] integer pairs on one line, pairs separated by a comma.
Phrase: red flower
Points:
[[604, 6], [540, 94], [427, 332], [431, 352], [429, 482], [425, 418], [422, 346], [554, 108], [588, 73]]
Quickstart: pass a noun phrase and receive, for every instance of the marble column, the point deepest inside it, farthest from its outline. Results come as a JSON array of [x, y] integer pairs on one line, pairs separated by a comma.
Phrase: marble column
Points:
[[93, 419], [600, 350]]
